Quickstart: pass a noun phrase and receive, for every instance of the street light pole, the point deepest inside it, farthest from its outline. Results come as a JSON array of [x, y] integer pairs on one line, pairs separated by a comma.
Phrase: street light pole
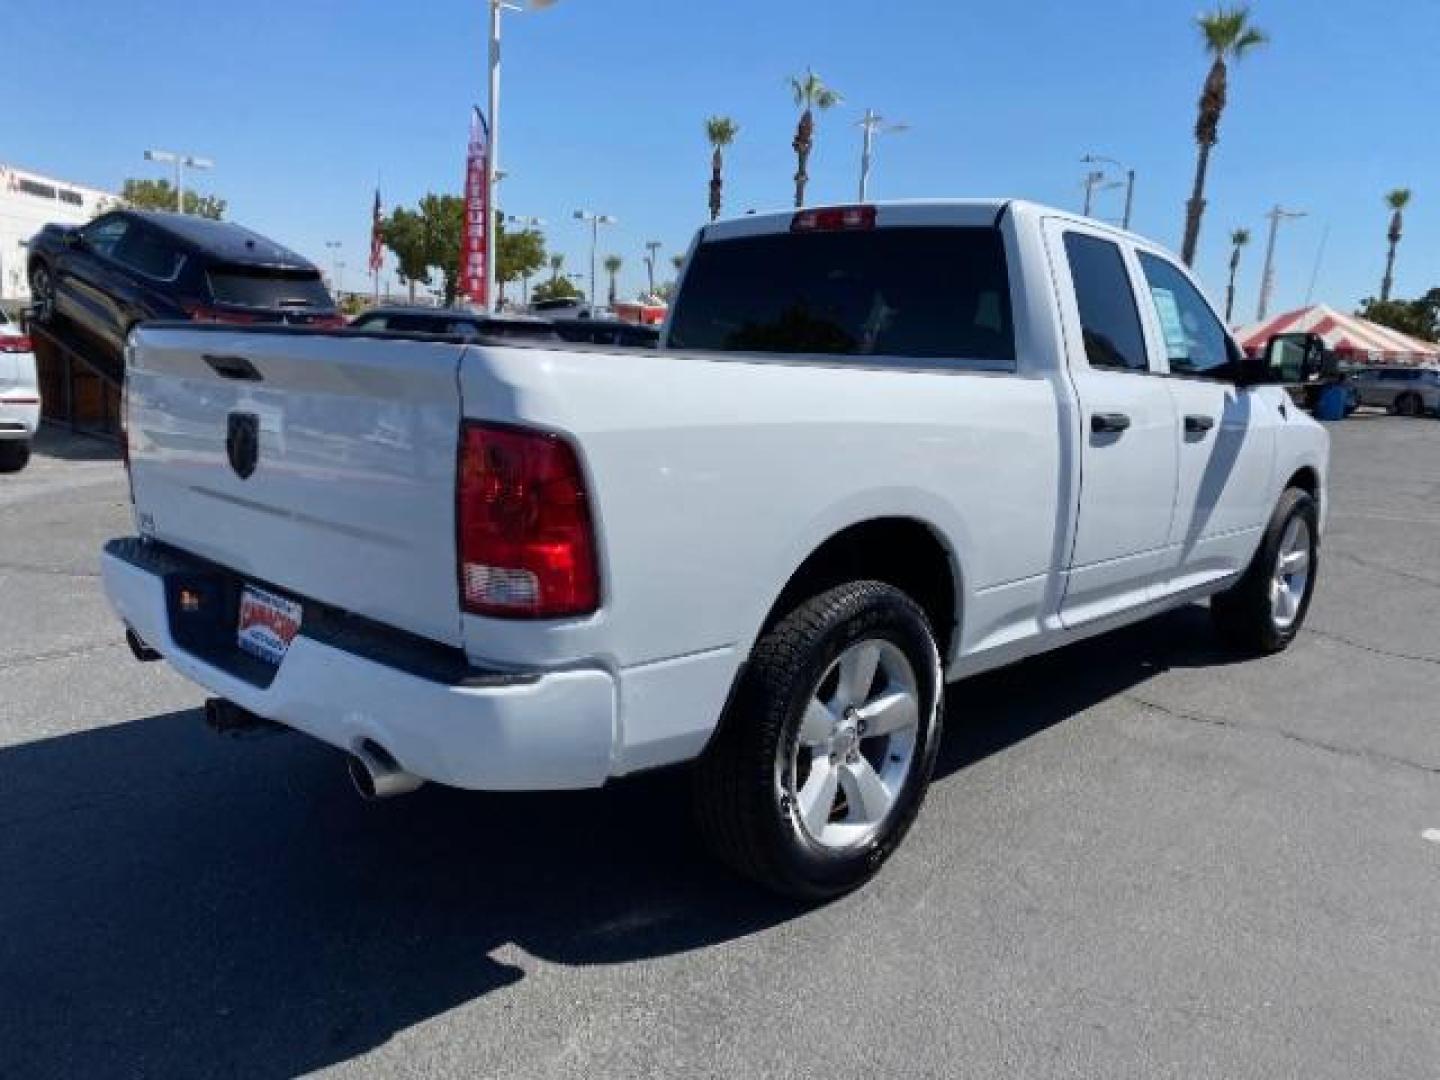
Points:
[[334, 246], [1267, 276], [180, 161], [595, 220], [1094, 159], [492, 159], [652, 247], [873, 124], [525, 222]]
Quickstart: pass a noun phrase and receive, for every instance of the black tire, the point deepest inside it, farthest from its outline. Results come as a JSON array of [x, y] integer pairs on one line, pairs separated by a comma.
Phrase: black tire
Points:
[[1409, 405], [42, 293], [744, 808], [1244, 614], [14, 455]]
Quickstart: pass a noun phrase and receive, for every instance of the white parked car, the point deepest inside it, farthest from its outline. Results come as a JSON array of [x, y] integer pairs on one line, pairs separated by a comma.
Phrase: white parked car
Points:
[[884, 448], [562, 308], [19, 396]]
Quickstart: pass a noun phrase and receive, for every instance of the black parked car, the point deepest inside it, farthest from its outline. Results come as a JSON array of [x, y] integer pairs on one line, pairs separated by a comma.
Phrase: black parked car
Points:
[[449, 321], [465, 324], [608, 332], [131, 265]]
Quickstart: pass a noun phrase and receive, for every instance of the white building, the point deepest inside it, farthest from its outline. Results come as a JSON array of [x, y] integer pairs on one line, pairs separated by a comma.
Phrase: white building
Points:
[[29, 200]]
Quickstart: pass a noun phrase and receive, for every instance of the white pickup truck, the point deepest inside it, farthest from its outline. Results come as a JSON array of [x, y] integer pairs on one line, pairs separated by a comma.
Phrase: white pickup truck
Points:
[[883, 447]]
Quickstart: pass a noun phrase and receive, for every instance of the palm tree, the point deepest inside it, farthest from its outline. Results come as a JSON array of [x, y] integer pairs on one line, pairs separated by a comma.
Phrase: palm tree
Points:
[[1238, 239], [810, 93], [1228, 34], [612, 267], [678, 262], [1397, 200], [721, 132]]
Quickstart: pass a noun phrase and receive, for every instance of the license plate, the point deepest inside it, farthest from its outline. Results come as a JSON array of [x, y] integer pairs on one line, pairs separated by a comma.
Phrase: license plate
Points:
[[268, 623]]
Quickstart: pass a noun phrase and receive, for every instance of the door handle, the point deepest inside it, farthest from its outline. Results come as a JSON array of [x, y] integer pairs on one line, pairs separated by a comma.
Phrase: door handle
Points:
[[1198, 425], [233, 367], [1108, 422]]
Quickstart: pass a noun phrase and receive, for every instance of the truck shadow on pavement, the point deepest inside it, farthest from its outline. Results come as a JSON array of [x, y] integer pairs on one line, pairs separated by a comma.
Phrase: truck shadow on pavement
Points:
[[174, 903]]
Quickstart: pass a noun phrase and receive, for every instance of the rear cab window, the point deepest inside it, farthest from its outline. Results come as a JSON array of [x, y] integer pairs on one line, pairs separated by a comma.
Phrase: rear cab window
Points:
[[1105, 300], [903, 292], [259, 287]]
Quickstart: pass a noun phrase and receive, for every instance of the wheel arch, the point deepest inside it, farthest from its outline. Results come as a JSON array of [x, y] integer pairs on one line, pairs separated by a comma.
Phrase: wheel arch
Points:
[[900, 550]]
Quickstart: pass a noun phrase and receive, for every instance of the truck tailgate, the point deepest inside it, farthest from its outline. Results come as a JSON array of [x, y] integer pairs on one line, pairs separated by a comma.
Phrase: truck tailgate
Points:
[[350, 496]]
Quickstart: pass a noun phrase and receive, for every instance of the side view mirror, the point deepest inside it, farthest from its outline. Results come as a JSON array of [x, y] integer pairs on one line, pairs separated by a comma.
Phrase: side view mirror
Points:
[[1297, 359]]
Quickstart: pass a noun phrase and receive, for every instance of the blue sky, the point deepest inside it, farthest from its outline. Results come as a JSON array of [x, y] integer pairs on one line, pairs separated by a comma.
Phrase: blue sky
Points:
[[301, 103]]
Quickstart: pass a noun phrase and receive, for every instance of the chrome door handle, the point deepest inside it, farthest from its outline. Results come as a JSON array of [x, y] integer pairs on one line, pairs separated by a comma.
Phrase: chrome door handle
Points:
[[1102, 423], [1198, 425]]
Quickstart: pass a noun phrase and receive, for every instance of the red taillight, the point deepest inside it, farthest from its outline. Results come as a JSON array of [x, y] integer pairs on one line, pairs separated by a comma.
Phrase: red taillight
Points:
[[205, 313], [834, 219], [526, 545], [329, 322], [15, 344]]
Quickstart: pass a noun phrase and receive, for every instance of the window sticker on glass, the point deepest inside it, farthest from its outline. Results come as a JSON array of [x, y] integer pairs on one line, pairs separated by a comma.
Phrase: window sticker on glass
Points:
[[1177, 343]]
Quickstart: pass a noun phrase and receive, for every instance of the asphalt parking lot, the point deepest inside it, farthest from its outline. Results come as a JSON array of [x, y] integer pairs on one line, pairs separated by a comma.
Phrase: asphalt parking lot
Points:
[[1142, 856]]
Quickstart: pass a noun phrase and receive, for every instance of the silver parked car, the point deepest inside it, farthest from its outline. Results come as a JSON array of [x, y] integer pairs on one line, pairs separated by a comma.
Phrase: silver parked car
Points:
[[1408, 391]]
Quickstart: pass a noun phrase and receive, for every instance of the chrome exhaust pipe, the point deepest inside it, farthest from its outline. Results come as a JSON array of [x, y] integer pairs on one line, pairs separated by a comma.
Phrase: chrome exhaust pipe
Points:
[[377, 775]]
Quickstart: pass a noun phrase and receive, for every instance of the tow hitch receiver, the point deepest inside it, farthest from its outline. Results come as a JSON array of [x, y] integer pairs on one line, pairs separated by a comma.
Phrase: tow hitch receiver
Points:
[[226, 718]]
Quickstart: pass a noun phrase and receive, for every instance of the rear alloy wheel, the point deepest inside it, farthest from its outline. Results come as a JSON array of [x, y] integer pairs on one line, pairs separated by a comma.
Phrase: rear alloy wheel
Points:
[[1265, 609], [824, 755]]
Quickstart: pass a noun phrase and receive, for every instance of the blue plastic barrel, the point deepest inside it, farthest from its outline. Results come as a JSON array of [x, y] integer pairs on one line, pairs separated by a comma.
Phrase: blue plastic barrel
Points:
[[1332, 403]]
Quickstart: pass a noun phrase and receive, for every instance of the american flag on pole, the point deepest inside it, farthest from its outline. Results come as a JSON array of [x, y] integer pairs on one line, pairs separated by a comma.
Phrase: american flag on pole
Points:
[[376, 240]]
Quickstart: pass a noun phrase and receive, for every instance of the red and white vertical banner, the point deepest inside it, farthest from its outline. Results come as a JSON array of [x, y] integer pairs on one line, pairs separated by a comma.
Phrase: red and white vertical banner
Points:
[[475, 236]]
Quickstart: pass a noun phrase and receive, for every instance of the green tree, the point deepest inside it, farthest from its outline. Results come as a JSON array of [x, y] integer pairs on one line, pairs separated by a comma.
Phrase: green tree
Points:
[[517, 255], [810, 93], [677, 261], [1227, 34], [1418, 318], [557, 288], [443, 223], [427, 239], [721, 132], [612, 266], [403, 233], [160, 195], [1238, 239], [1396, 200]]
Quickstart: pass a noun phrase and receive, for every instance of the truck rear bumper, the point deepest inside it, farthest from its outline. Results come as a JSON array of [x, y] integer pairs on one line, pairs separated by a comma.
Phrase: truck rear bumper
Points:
[[19, 414], [487, 730]]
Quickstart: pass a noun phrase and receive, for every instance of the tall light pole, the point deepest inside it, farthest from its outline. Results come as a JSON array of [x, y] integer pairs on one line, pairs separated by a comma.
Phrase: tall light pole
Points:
[[180, 161], [1093, 159], [652, 248], [873, 124], [525, 222], [1267, 277], [595, 220], [334, 247], [1095, 180], [492, 158]]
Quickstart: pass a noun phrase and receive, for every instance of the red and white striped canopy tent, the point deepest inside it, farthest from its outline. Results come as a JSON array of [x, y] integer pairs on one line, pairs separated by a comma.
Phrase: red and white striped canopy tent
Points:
[[1348, 336]]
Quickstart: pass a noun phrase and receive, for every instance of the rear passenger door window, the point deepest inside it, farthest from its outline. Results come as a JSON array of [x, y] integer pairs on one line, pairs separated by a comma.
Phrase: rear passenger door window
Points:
[[148, 252], [1109, 320], [101, 236]]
